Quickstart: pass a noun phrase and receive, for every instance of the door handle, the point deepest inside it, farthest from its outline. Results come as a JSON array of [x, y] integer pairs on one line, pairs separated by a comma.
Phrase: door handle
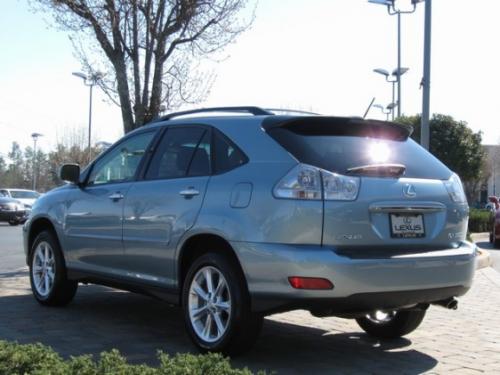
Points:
[[189, 192], [116, 196]]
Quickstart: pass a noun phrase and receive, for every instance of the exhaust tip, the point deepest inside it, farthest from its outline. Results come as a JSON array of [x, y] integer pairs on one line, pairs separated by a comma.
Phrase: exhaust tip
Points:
[[449, 303], [452, 304]]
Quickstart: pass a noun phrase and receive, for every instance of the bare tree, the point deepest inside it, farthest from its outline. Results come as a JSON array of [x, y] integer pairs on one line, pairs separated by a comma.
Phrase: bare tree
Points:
[[150, 46]]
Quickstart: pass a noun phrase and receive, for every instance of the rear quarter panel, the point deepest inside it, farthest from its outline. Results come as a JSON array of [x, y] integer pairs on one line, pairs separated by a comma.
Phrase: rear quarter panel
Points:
[[264, 218]]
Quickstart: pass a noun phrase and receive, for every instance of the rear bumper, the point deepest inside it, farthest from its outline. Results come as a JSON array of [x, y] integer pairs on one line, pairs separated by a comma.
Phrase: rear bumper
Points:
[[359, 284]]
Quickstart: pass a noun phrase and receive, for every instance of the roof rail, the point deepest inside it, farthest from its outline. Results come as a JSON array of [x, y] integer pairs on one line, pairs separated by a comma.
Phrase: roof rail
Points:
[[256, 111], [285, 110]]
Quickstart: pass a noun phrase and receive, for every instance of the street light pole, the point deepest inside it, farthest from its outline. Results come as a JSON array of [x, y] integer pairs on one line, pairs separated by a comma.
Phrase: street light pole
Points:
[[386, 110], [426, 81], [90, 123], [396, 73], [89, 81], [393, 10], [35, 164], [399, 64], [393, 95]]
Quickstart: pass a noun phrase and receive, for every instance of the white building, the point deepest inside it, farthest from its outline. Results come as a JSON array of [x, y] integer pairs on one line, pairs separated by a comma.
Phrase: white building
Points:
[[492, 186]]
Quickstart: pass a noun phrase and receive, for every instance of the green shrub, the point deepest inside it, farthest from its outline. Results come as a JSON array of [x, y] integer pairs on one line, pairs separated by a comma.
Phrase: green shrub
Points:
[[479, 220], [37, 359]]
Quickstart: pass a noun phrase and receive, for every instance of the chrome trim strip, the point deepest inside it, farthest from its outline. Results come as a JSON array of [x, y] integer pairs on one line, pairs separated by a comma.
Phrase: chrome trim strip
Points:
[[409, 208]]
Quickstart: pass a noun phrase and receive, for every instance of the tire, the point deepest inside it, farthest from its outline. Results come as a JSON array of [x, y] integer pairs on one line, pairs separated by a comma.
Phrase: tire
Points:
[[237, 327], [48, 279], [396, 323], [13, 223], [496, 241]]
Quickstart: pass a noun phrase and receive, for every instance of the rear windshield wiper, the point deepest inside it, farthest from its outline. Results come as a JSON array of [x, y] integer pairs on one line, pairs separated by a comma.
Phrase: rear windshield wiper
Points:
[[378, 170]]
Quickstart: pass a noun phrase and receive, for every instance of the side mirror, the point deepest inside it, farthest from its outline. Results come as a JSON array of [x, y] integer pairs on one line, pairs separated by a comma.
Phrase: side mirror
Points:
[[70, 173]]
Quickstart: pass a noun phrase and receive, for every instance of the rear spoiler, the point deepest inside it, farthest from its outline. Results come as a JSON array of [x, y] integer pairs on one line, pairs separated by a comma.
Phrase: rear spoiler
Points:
[[339, 126]]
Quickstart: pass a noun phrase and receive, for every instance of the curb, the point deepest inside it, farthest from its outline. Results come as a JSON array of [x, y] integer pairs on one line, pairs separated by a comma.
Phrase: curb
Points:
[[483, 256], [483, 259]]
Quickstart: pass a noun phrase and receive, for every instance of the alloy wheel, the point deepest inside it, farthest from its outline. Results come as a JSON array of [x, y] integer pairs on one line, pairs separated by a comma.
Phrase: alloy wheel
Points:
[[43, 269], [209, 304]]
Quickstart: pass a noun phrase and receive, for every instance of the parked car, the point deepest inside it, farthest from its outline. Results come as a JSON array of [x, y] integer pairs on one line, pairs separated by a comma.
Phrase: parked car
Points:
[[495, 221], [12, 211], [238, 217], [27, 197]]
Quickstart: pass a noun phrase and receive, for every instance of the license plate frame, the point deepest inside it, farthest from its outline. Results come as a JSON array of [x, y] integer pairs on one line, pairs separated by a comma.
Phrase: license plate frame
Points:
[[407, 225]]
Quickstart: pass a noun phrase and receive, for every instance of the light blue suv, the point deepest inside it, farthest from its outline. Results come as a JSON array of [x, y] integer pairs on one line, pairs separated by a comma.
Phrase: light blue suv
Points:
[[241, 216]]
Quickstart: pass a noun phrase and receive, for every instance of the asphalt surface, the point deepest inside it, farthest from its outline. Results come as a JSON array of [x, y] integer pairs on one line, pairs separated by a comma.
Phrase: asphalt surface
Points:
[[11, 247], [483, 242]]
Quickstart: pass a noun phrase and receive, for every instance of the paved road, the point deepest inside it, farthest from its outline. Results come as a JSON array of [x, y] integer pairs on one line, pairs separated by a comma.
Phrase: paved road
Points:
[[11, 247], [483, 242], [466, 341]]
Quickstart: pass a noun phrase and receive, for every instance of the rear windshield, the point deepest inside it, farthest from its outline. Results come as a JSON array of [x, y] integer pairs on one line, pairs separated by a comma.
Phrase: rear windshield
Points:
[[339, 151]]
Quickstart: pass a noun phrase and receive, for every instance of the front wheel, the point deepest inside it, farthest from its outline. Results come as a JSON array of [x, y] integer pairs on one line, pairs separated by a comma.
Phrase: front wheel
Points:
[[392, 324], [217, 306], [13, 222], [49, 283]]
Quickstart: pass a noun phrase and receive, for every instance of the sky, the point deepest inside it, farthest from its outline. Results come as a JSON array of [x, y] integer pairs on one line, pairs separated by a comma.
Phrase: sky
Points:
[[313, 55]]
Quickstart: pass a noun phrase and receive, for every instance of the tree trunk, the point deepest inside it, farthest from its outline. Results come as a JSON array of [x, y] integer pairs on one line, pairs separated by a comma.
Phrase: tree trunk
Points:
[[124, 95]]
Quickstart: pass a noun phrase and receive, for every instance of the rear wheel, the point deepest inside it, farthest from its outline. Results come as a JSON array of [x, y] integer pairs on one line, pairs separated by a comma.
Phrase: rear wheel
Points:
[[391, 324], [217, 307], [13, 222], [49, 282]]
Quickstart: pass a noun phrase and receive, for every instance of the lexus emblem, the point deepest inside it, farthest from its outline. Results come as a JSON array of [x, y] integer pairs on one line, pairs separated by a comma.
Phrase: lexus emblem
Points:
[[409, 191], [407, 220]]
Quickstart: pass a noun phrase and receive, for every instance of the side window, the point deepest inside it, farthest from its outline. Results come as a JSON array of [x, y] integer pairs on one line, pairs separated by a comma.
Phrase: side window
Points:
[[227, 155], [3, 193], [121, 163], [182, 152], [200, 165]]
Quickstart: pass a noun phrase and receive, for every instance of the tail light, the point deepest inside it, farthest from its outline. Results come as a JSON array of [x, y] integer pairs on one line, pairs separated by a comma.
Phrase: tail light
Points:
[[308, 182], [455, 189]]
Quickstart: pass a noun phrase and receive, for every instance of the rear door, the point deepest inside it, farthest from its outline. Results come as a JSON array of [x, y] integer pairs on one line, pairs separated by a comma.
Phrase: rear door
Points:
[[164, 205], [402, 201]]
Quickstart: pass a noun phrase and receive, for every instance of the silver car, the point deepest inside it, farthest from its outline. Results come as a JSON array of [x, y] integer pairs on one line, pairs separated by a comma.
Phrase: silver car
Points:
[[238, 217]]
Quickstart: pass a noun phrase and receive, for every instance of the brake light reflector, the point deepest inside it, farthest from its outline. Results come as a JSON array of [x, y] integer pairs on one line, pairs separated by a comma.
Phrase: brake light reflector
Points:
[[298, 282]]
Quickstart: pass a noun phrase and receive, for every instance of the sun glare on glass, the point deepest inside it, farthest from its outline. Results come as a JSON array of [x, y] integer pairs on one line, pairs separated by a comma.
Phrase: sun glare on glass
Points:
[[379, 152]]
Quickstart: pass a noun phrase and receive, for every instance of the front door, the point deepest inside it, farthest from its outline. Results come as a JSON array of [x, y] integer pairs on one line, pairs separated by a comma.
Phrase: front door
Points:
[[164, 205], [93, 223]]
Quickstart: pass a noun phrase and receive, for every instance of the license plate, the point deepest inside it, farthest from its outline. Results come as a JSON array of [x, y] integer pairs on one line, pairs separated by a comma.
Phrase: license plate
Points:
[[407, 226]]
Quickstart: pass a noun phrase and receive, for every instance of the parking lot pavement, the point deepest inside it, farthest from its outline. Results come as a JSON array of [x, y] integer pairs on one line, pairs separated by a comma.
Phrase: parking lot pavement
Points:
[[466, 340], [483, 241], [11, 247]]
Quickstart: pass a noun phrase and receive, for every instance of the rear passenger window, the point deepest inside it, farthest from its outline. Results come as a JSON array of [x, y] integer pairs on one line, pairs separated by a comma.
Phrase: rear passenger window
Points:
[[181, 152], [200, 165], [227, 155]]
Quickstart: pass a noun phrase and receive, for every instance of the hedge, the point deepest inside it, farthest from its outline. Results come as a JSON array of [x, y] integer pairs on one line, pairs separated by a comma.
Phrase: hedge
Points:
[[479, 220], [37, 359]]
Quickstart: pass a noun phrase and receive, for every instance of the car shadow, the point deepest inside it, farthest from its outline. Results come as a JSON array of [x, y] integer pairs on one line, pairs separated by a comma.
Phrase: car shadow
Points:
[[486, 245], [101, 319], [15, 273]]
